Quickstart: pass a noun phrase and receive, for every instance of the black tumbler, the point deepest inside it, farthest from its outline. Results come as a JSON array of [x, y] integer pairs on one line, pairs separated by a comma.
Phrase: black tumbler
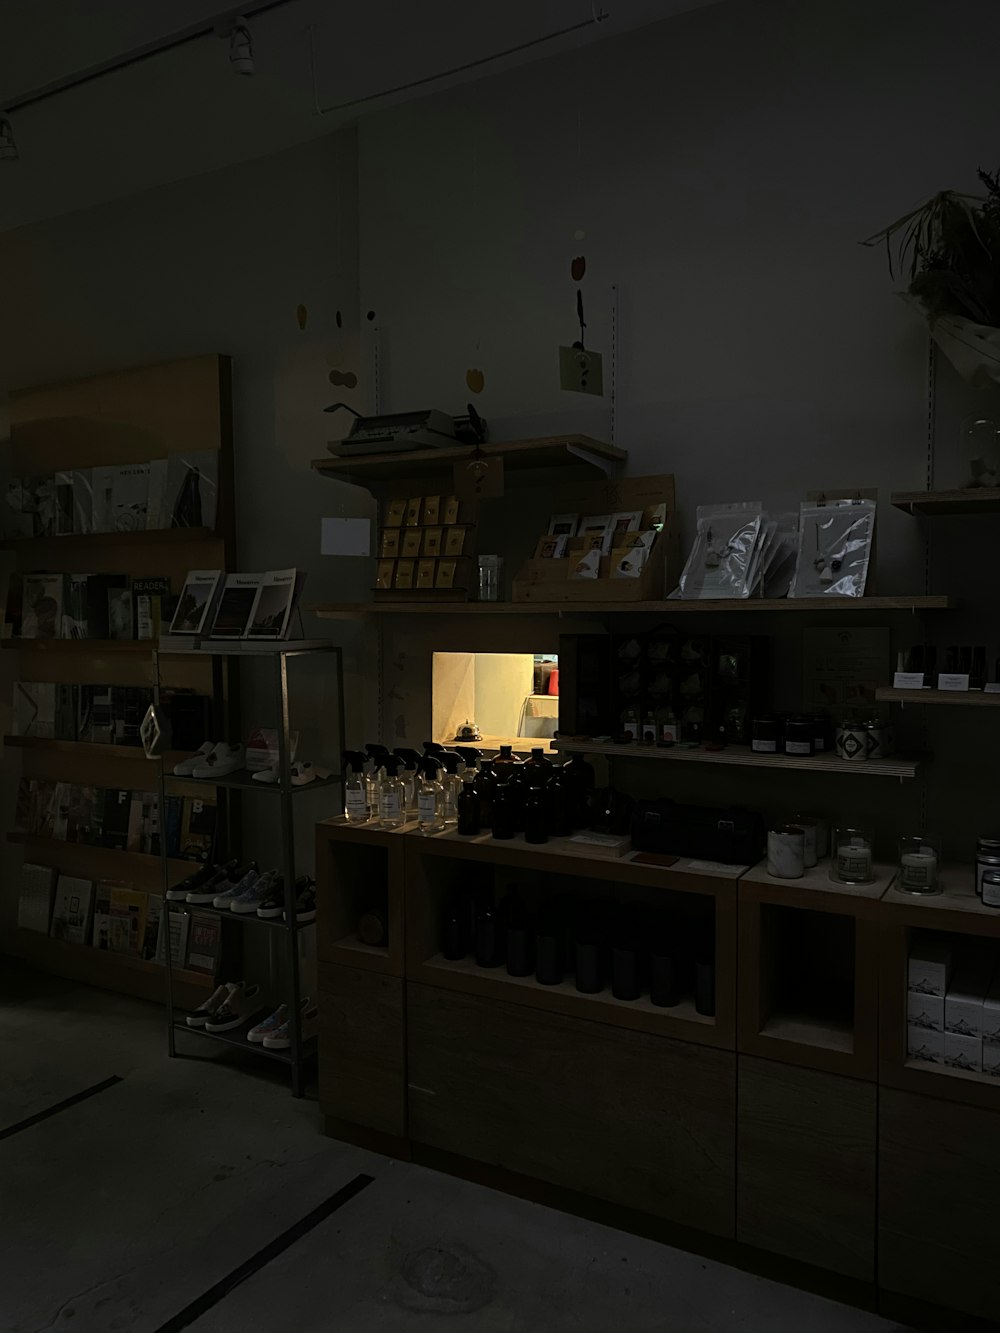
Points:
[[589, 967], [626, 978], [549, 965], [664, 991], [520, 954]]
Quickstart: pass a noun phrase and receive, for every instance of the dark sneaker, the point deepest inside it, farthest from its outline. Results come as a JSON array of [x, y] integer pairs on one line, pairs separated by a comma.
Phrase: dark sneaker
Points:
[[273, 904], [207, 893], [305, 901], [200, 878], [244, 1003]]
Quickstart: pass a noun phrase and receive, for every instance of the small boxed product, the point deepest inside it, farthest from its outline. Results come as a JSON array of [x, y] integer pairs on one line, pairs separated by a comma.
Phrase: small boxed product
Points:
[[384, 571], [991, 1013], [449, 510], [432, 541], [445, 574], [412, 538], [925, 1011], [425, 574], [454, 541], [929, 969], [991, 1059], [404, 574], [389, 548], [413, 507], [963, 1003], [395, 512], [924, 1045], [432, 509], [962, 1052]]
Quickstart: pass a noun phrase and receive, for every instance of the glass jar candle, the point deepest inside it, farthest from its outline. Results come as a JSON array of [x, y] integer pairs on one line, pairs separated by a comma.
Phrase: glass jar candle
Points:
[[819, 829], [766, 735], [852, 861], [987, 858], [786, 852], [800, 735], [919, 859]]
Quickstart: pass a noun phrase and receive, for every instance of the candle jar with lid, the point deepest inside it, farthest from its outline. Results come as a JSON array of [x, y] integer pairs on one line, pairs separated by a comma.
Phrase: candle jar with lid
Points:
[[852, 860], [919, 861], [987, 858]]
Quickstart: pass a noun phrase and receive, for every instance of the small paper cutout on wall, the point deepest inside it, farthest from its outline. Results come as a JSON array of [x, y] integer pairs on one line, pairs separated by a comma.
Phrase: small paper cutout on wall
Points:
[[340, 320], [370, 316], [344, 379], [302, 315], [579, 234], [476, 380], [578, 268]]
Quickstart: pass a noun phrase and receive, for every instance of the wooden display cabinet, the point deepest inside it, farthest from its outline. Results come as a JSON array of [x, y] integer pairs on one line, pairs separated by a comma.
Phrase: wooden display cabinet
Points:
[[809, 970], [360, 869]]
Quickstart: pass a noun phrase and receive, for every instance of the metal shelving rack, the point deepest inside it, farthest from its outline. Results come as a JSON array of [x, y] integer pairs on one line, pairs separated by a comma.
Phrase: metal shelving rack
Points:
[[301, 1050]]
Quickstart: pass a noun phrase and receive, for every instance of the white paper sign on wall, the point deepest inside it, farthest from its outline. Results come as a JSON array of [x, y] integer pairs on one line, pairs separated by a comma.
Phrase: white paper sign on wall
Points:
[[345, 536]]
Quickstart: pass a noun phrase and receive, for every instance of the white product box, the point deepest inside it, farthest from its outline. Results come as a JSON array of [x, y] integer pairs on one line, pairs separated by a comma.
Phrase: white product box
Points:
[[924, 1045], [963, 1004], [929, 969], [908, 680], [952, 680], [991, 1013], [963, 1052], [925, 1011], [991, 1059]]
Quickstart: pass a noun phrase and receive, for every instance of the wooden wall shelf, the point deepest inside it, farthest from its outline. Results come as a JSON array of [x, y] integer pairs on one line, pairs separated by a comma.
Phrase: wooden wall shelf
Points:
[[112, 971], [946, 698], [742, 755], [80, 647], [984, 501], [85, 749], [89, 540], [106, 862], [664, 609], [573, 451]]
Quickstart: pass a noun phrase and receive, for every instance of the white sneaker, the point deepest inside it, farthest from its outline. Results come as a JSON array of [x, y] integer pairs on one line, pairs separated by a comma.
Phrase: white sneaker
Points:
[[240, 1006], [303, 773], [225, 758], [187, 766], [271, 774], [270, 1025], [281, 1038]]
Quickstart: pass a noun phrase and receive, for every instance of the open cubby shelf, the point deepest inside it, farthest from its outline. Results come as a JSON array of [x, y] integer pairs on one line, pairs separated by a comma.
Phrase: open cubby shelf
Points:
[[237, 1039], [742, 755], [985, 500], [663, 609], [946, 698], [803, 1030], [575, 451]]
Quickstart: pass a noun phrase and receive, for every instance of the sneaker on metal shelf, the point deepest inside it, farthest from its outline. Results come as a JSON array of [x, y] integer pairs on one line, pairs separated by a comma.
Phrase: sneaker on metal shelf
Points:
[[270, 1025], [201, 879], [223, 760], [226, 892], [210, 1007], [207, 893], [254, 894], [187, 766], [305, 900], [281, 1038], [242, 1003], [274, 904]]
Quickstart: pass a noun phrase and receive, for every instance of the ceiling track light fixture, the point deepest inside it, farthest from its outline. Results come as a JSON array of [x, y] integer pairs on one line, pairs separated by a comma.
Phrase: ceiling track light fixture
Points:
[[8, 146], [241, 47]]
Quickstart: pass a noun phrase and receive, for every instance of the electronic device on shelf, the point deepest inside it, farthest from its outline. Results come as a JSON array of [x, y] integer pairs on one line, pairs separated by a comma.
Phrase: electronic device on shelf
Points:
[[395, 432]]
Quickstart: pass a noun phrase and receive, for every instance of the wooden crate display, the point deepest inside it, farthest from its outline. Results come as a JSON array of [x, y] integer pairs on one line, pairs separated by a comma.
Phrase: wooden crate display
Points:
[[550, 580]]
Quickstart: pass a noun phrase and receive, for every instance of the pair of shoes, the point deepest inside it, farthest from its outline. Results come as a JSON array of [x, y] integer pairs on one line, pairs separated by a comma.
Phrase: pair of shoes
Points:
[[253, 893], [224, 883], [275, 1034], [301, 774], [212, 760], [229, 1005], [273, 903], [200, 881]]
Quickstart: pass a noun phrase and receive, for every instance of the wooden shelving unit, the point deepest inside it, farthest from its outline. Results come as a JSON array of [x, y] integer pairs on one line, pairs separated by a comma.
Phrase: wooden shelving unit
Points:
[[126, 417], [665, 609], [112, 971], [743, 756], [984, 501], [573, 451], [945, 698]]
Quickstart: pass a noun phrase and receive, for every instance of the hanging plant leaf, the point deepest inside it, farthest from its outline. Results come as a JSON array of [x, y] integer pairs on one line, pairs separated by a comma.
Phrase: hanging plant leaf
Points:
[[302, 315], [476, 380], [578, 268], [340, 320], [344, 378]]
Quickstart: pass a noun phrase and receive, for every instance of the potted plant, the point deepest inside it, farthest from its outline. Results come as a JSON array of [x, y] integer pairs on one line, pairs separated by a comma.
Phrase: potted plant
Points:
[[949, 251]]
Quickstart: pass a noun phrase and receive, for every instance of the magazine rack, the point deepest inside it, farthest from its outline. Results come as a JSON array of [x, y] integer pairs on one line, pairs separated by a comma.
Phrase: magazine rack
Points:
[[280, 932]]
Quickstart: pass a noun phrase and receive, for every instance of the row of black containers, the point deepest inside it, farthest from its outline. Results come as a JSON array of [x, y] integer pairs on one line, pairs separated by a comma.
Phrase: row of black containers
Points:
[[631, 948]]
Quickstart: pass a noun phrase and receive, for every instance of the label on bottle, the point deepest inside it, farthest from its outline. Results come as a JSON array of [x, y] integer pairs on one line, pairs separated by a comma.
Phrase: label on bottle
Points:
[[991, 893], [792, 747], [764, 747], [668, 733], [389, 806], [355, 803], [427, 807]]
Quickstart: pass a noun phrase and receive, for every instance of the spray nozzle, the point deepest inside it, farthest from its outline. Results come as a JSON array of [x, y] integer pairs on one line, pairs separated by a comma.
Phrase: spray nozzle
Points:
[[355, 760], [410, 758], [391, 764]]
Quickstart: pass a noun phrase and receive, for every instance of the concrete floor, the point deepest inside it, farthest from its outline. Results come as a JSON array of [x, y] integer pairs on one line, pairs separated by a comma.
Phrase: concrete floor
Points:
[[120, 1211]]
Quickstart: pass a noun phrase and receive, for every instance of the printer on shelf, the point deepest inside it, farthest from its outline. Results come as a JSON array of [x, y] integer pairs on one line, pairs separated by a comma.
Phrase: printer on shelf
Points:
[[396, 432]]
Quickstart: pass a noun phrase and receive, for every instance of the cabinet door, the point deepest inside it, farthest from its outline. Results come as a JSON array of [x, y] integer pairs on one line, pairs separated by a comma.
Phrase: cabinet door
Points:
[[939, 1181], [806, 1179], [362, 1074], [637, 1119]]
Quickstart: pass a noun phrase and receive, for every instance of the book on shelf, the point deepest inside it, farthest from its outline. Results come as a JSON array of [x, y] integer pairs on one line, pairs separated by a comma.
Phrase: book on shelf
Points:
[[204, 942], [155, 516], [148, 599], [177, 924], [71, 912], [141, 821], [102, 481], [129, 497], [101, 722], [42, 606], [83, 501], [172, 818], [34, 709], [13, 612], [21, 507], [99, 587], [66, 707], [192, 488], [42, 818], [154, 914], [82, 820], [120, 614], [76, 607], [114, 829], [196, 602], [61, 798], [239, 596], [63, 503], [36, 897], [100, 931], [198, 829], [127, 927], [45, 516], [277, 598]]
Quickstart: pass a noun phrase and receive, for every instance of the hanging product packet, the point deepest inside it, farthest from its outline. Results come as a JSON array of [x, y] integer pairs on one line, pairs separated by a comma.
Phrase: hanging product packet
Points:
[[721, 561], [835, 542]]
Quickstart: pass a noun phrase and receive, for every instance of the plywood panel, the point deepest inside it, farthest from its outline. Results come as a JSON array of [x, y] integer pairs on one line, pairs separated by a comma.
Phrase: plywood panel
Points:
[[362, 1074], [639, 1120], [806, 1153], [939, 1181]]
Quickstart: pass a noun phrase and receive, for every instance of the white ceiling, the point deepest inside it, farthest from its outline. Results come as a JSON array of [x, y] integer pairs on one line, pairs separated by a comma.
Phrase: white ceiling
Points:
[[183, 112]]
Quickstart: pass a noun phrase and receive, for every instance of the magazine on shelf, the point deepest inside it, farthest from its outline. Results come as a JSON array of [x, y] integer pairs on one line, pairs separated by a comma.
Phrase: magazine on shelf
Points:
[[148, 597], [102, 483], [83, 818], [114, 830], [192, 490], [198, 829], [177, 928], [130, 497], [128, 920], [154, 914], [204, 942], [21, 507], [83, 501], [99, 586], [120, 624], [64, 503], [14, 606], [196, 603], [45, 517], [76, 607], [71, 912], [66, 712], [37, 893], [100, 931], [61, 800], [101, 728], [41, 615], [34, 709], [157, 494], [276, 600], [173, 816], [43, 807], [236, 605]]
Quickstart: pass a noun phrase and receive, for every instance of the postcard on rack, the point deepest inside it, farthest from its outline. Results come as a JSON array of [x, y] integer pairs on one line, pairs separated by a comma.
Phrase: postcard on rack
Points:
[[274, 604], [232, 620], [196, 601]]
